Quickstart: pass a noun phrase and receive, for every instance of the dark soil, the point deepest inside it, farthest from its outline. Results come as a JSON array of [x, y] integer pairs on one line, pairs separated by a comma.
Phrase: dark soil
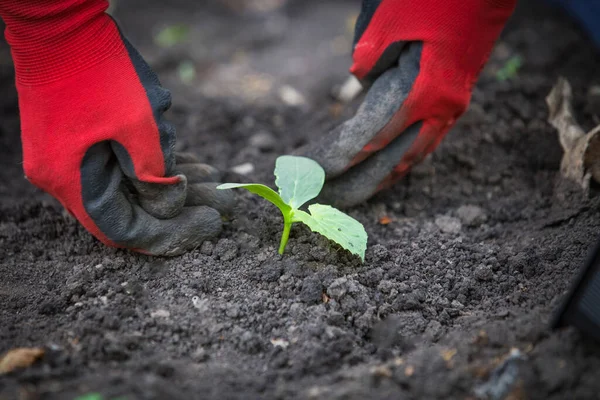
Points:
[[482, 245]]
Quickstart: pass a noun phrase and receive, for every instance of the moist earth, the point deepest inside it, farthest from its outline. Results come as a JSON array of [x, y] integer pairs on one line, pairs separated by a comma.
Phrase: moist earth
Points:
[[468, 259]]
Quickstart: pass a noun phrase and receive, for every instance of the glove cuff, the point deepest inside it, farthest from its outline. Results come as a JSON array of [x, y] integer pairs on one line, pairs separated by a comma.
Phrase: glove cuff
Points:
[[53, 40]]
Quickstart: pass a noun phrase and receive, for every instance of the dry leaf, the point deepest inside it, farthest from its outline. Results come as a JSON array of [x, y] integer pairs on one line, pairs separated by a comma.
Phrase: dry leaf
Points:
[[581, 159], [504, 379], [19, 358], [385, 220], [398, 361], [282, 343], [449, 354], [381, 371], [481, 338], [336, 109]]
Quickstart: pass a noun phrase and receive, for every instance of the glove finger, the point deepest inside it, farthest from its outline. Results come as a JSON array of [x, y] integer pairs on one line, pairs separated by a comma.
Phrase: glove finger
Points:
[[199, 173], [207, 194], [339, 149], [162, 200], [364, 180], [187, 231], [125, 223], [159, 200]]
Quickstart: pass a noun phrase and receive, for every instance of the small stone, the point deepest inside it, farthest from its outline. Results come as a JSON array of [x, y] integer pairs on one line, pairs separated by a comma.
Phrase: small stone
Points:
[[278, 342], [243, 169], [434, 330], [448, 224], [297, 310], [233, 311], [226, 249], [338, 288], [349, 90], [160, 313], [207, 248], [365, 321], [312, 290], [484, 273], [385, 286], [457, 304], [200, 355], [377, 253], [269, 272], [247, 241], [291, 96], [200, 304], [263, 140], [471, 215], [336, 319]]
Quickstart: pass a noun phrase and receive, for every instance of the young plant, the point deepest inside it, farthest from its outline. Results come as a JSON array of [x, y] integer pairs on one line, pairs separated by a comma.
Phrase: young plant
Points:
[[299, 180]]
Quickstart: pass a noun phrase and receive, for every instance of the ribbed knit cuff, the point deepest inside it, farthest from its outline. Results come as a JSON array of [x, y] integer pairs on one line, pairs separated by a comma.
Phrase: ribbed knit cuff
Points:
[[53, 39]]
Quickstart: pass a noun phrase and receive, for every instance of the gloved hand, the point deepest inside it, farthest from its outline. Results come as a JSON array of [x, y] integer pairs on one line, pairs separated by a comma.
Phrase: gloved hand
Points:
[[420, 59], [93, 133]]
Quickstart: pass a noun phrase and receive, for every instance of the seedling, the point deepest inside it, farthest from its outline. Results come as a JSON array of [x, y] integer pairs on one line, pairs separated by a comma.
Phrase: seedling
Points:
[[510, 69], [172, 35], [299, 180]]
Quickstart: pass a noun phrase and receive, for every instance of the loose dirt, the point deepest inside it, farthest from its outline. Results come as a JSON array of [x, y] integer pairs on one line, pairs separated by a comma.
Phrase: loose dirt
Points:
[[481, 244]]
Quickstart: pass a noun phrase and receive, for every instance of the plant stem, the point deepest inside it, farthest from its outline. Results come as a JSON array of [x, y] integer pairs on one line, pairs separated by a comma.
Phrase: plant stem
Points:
[[287, 226]]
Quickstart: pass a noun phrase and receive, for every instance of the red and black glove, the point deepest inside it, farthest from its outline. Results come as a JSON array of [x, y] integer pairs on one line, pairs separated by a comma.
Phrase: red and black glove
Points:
[[93, 133], [421, 59]]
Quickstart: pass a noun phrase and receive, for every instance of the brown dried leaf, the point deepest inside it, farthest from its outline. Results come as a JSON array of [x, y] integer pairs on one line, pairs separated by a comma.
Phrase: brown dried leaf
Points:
[[591, 159], [448, 354], [581, 159], [385, 220], [19, 358], [381, 371]]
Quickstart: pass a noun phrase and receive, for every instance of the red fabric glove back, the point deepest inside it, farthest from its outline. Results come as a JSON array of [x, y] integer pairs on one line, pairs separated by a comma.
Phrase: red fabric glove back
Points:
[[457, 37], [91, 120], [420, 60]]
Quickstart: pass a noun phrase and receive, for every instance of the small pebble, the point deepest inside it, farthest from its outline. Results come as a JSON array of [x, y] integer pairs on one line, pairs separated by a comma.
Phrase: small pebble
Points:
[[291, 96], [448, 224], [243, 169], [263, 140], [160, 313], [484, 273], [226, 249], [471, 215]]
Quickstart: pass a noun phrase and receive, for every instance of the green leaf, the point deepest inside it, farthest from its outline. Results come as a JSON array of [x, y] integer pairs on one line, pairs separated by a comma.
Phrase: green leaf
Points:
[[510, 69], [336, 226], [186, 71], [269, 194], [299, 179], [90, 396], [172, 35], [263, 191]]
